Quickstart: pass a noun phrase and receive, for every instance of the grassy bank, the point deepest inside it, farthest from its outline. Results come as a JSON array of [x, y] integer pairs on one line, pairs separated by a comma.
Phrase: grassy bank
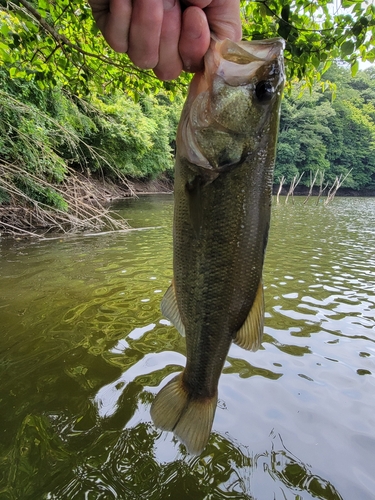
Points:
[[63, 158]]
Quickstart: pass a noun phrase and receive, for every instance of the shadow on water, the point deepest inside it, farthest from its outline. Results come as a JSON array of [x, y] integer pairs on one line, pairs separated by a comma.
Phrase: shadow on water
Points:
[[84, 349], [107, 462]]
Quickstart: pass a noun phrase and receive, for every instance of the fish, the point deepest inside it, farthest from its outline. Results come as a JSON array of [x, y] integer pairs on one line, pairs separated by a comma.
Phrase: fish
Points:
[[226, 143]]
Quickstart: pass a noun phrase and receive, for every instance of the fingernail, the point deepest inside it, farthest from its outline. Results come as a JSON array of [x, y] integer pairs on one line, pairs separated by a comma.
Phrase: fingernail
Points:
[[196, 30], [168, 4]]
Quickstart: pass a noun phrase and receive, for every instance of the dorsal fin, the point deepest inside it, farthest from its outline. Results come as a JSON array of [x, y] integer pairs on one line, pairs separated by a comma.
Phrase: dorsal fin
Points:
[[249, 336], [169, 309]]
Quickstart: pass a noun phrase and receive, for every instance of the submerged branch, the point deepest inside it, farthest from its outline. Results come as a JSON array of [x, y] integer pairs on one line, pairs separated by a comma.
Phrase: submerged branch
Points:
[[312, 182], [281, 180], [296, 180], [336, 186]]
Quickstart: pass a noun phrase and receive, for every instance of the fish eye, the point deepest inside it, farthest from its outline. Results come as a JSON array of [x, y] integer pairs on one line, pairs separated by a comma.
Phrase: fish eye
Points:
[[264, 91]]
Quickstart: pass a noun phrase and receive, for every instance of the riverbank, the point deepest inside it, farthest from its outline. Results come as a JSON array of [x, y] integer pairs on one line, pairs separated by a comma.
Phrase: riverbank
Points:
[[88, 201], [87, 206]]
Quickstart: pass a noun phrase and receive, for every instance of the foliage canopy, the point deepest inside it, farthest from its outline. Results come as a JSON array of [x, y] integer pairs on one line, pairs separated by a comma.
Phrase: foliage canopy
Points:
[[56, 41], [316, 32]]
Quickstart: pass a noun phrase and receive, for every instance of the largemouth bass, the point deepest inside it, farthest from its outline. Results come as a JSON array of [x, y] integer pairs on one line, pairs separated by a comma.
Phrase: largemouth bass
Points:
[[226, 144]]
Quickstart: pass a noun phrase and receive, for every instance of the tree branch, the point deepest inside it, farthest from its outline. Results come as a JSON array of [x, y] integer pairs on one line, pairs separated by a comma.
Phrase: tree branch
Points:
[[63, 40]]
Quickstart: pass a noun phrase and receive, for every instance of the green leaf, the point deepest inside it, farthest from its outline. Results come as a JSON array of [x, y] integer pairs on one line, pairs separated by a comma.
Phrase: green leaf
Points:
[[284, 30], [354, 68], [326, 66], [357, 29], [4, 30], [285, 12], [316, 61], [347, 48]]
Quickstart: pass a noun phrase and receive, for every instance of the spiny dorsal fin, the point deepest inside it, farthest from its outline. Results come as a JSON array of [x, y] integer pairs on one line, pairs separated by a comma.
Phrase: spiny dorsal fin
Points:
[[249, 336], [169, 309], [189, 418]]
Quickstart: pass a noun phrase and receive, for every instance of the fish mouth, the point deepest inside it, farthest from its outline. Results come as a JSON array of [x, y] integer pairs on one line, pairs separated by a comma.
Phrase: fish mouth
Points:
[[239, 62], [246, 52]]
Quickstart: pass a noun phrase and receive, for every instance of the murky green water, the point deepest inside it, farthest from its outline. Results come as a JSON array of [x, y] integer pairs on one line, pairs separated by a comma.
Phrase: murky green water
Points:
[[84, 348]]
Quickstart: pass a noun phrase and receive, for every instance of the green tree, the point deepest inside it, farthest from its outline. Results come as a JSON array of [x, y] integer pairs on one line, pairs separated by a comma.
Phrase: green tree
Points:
[[351, 145], [44, 133], [134, 136], [57, 41], [337, 135], [304, 128], [316, 32]]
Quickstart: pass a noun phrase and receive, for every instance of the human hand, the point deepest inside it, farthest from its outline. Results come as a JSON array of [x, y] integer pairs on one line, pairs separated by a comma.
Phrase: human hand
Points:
[[167, 36]]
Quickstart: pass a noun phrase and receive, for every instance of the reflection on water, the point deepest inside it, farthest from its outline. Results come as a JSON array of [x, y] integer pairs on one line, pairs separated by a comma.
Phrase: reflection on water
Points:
[[84, 349], [122, 464]]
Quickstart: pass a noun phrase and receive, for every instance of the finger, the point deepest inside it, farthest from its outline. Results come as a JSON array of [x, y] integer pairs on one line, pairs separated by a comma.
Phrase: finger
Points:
[[113, 19], [170, 63], [196, 3], [223, 17], [144, 34], [194, 39]]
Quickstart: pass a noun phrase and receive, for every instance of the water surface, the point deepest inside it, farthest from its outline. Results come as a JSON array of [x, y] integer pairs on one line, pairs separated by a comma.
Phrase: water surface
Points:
[[84, 349]]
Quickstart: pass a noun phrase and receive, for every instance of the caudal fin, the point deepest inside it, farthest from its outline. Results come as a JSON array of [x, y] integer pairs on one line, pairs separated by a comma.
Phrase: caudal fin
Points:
[[189, 418]]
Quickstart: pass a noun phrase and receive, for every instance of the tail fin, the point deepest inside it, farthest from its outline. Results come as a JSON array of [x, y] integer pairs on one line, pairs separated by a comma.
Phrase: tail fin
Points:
[[189, 418]]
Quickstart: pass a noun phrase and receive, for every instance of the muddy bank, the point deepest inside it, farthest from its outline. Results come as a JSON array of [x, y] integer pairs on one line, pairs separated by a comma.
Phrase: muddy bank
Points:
[[156, 186]]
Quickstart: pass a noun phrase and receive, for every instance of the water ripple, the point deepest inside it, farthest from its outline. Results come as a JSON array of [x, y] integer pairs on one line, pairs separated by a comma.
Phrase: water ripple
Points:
[[84, 349]]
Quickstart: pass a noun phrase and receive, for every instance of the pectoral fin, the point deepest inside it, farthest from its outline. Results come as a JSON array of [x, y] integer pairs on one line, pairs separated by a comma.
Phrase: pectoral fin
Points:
[[169, 308], [249, 336]]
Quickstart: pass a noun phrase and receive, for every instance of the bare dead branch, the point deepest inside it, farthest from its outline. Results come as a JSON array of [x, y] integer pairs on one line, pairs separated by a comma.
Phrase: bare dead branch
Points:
[[312, 182], [281, 182], [296, 180], [336, 186]]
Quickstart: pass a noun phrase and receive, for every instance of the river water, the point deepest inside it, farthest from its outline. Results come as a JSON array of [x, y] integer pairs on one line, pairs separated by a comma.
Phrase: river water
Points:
[[84, 349]]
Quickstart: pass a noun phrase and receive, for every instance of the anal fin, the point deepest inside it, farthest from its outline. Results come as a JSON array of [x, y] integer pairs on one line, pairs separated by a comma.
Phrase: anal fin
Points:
[[169, 309], [249, 336]]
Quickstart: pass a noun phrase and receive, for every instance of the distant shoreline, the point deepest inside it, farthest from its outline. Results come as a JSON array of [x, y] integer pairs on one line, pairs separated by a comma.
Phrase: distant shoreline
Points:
[[165, 186], [304, 191]]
